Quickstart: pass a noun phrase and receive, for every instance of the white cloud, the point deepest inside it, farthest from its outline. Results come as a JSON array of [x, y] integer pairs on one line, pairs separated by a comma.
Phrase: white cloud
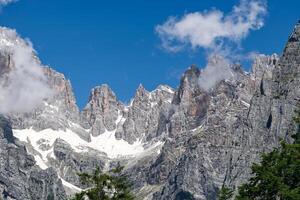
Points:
[[5, 2], [218, 68], [218, 33], [207, 29], [24, 85]]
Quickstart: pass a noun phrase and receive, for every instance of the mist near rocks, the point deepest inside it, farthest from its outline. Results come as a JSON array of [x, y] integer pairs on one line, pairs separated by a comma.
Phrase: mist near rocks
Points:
[[218, 68], [24, 86], [215, 32]]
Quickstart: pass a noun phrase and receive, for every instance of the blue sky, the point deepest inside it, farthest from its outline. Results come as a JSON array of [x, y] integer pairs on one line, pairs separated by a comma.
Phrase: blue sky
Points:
[[95, 41]]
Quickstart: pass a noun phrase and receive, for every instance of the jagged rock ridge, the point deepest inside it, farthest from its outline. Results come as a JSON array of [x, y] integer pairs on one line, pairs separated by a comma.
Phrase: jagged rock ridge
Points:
[[172, 143], [237, 131]]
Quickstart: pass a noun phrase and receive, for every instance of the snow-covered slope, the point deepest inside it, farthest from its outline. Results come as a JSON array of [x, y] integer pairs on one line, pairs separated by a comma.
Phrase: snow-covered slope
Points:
[[42, 142]]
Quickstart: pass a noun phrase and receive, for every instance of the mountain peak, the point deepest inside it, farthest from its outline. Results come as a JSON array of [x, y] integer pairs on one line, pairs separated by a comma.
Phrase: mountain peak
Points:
[[102, 86], [101, 92], [9, 37], [193, 70], [295, 36], [189, 85], [101, 112], [165, 88], [141, 87], [141, 91], [190, 77], [292, 50]]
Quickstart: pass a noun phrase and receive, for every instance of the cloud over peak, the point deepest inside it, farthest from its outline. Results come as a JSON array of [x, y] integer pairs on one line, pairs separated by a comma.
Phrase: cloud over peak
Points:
[[219, 34], [209, 29], [23, 84]]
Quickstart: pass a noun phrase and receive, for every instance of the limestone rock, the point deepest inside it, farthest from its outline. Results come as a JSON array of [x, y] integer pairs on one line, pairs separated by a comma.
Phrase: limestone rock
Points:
[[20, 179], [102, 110]]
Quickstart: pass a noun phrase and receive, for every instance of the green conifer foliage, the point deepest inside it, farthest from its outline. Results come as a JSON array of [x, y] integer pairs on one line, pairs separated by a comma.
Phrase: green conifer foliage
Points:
[[225, 193], [112, 186]]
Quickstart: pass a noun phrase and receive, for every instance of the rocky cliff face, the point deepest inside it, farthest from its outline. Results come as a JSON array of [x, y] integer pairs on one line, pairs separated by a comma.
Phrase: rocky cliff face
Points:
[[237, 130], [102, 110], [20, 178], [142, 116], [59, 112], [173, 143], [190, 103]]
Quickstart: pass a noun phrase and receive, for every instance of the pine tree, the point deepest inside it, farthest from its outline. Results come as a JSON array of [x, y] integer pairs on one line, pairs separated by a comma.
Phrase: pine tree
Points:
[[112, 186], [225, 193]]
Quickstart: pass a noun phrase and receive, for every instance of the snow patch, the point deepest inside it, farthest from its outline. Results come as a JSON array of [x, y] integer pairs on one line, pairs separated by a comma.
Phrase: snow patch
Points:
[[121, 119], [40, 162], [153, 104], [70, 186], [114, 148], [245, 103], [105, 142], [166, 88], [51, 108]]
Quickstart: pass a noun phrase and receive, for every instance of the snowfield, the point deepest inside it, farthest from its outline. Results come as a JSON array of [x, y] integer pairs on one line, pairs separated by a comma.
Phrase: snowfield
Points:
[[42, 143], [105, 142]]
